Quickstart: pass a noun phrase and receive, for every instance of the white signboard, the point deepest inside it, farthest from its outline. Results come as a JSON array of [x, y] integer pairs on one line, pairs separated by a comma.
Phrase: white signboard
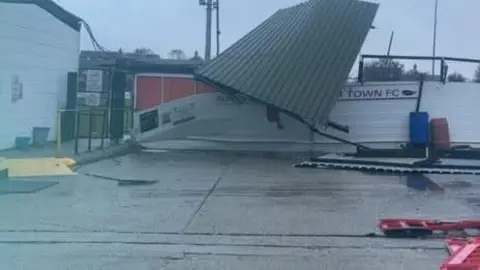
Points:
[[91, 99], [94, 81], [379, 92]]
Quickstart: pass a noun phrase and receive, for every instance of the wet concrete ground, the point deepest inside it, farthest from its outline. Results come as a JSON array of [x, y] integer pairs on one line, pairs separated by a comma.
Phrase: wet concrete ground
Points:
[[223, 211]]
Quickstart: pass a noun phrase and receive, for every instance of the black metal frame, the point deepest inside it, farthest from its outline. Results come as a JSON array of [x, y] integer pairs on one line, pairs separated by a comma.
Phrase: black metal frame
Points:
[[103, 112], [92, 113], [442, 59]]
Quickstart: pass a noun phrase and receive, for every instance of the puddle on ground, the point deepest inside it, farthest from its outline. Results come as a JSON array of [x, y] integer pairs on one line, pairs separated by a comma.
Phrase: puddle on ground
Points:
[[416, 181], [473, 201], [458, 184], [421, 182]]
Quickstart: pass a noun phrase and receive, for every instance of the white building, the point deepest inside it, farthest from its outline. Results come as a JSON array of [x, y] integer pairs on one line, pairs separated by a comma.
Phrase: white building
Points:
[[39, 45]]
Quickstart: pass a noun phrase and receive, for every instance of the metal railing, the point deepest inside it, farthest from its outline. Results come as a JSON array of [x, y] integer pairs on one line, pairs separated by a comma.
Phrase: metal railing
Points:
[[443, 62], [88, 129]]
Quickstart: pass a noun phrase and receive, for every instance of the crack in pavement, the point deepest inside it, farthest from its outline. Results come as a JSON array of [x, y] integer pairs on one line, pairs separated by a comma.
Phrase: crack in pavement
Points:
[[308, 235], [205, 198], [310, 247]]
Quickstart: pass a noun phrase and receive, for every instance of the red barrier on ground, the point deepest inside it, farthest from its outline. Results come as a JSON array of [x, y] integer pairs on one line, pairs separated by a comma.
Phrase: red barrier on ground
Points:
[[466, 255]]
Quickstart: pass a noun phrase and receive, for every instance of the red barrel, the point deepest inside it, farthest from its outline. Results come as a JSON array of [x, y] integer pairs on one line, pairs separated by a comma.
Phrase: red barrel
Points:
[[440, 133]]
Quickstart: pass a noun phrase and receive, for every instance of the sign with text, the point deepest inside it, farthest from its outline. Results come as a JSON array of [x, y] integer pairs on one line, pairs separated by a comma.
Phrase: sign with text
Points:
[[235, 99], [379, 92], [94, 80], [91, 99]]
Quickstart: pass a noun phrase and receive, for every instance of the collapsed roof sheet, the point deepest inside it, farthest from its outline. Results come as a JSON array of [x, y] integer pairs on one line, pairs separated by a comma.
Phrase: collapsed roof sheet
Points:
[[297, 60]]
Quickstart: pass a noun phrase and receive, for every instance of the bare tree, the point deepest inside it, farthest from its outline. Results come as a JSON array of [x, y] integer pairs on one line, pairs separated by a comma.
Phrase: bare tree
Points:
[[476, 76], [143, 51], [383, 70], [456, 77], [177, 54]]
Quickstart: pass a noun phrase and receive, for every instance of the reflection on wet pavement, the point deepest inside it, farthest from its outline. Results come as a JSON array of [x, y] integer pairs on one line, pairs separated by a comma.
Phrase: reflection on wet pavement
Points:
[[214, 210], [416, 181], [421, 182], [465, 188]]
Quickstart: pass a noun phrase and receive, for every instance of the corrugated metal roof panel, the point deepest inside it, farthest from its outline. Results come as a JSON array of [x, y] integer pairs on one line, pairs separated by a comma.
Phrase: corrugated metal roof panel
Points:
[[299, 59]]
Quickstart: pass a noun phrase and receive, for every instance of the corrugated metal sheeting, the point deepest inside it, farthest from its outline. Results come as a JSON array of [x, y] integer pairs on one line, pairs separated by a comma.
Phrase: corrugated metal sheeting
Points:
[[297, 60]]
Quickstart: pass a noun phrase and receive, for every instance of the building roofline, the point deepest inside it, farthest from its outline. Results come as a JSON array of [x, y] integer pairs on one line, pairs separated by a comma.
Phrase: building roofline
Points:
[[54, 9], [92, 59]]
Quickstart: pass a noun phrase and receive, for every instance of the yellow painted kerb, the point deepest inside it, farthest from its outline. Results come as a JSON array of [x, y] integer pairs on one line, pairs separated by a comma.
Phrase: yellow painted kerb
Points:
[[25, 167], [68, 161]]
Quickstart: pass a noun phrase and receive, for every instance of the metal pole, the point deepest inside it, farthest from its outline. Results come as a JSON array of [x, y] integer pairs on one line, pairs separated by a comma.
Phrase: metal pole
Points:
[[434, 36], [59, 132], [208, 42], [388, 52], [77, 130], [390, 46], [218, 26], [104, 127], [90, 127]]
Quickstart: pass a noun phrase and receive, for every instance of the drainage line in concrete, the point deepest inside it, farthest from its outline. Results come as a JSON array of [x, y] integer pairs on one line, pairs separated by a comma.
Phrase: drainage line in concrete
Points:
[[309, 247], [367, 235]]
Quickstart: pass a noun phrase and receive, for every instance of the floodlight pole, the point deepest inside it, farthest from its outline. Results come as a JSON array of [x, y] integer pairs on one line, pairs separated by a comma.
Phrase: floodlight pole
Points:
[[208, 35], [435, 18], [217, 7]]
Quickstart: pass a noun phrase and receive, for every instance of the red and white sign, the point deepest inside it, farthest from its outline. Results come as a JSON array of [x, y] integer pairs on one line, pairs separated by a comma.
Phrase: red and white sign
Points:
[[379, 92]]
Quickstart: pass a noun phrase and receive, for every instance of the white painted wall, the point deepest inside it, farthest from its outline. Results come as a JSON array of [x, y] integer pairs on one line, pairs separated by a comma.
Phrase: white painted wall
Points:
[[460, 104], [373, 121], [40, 50], [386, 122]]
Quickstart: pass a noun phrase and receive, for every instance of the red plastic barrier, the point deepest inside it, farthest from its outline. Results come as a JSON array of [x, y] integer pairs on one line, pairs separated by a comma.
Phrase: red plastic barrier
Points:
[[466, 257], [434, 225], [454, 244]]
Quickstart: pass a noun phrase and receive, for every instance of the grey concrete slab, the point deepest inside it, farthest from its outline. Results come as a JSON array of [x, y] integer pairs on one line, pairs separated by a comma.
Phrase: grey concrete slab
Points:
[[24, 186], [328, 259], [221, 211], [465, 189], [83, 256], [83, 203], [307, 201], [304, 243], [185, 172], [98, 256]]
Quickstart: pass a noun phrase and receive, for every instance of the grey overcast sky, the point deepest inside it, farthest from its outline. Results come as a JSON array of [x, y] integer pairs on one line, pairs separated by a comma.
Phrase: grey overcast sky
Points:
[[163, 25]]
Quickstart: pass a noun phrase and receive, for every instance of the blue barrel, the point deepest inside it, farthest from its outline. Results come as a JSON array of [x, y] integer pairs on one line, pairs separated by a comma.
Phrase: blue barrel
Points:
[[419, 129]]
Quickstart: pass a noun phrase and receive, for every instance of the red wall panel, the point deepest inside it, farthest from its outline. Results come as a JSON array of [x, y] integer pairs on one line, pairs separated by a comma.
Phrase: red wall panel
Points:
[[204, 88], [149, 92], [177, 88]]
